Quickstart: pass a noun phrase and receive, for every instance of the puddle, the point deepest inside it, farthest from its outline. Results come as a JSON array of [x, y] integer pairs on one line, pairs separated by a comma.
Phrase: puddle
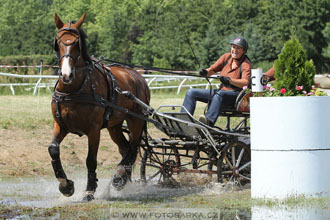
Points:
[[186, 185], [43, 193], [133, 191]]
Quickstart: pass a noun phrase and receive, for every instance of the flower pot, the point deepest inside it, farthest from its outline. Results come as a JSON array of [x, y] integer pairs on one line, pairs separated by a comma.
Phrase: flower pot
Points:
[[290, 146]]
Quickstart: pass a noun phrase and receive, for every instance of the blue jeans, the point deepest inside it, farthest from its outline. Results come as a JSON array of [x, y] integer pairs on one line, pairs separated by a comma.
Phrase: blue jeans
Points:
[[216, 96]]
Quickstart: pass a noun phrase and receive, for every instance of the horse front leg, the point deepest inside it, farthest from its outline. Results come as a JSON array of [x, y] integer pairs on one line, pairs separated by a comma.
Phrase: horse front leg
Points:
[[91, 163], [66, 186]]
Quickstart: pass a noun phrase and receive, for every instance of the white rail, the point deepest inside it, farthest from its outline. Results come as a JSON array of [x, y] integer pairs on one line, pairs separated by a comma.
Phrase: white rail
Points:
[[152, 80]]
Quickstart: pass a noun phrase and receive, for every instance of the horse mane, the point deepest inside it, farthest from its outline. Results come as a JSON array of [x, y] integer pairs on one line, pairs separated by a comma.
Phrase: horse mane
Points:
[[84, 49], [83, 41]]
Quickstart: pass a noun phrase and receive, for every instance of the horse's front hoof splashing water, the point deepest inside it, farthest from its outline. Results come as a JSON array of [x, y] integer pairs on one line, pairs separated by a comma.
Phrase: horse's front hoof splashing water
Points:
[[88, 97], [66, 187]]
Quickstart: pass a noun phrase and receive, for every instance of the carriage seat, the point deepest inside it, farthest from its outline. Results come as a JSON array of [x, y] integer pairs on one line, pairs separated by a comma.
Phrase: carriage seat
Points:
[[242, 104], [177, 128]]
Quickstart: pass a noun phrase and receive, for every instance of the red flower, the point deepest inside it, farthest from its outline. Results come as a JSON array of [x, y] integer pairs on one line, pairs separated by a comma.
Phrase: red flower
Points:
[[283, 90], [299, 88]]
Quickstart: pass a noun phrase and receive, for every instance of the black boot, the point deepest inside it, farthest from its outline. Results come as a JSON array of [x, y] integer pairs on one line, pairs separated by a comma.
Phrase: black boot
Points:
[[206, 121]]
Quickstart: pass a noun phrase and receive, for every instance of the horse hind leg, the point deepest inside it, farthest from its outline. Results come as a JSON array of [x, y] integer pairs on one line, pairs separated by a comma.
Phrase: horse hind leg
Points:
[[136, 128], [128, 150], [123, 173]]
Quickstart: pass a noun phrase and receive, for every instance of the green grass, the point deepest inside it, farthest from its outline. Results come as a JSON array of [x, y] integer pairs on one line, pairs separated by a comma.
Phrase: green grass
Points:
[[295, 201], [27, 112]]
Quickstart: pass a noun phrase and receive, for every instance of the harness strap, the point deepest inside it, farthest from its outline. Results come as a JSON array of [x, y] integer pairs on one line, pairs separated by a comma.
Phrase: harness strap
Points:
[[112, 87], [59, 97], [93, 99]]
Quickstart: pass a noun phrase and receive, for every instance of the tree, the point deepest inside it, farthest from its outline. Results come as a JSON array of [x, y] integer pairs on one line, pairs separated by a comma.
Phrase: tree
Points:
[[277, 20], [170, 33], [27, 32], [292, 68], [326, 50], [256, 47]]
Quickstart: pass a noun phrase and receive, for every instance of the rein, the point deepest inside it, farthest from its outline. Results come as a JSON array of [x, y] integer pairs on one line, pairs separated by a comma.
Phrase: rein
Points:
[[157, 69]]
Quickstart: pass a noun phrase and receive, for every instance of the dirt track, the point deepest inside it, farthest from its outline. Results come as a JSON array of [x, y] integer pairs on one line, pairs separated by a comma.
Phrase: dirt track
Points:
[[25, 153]]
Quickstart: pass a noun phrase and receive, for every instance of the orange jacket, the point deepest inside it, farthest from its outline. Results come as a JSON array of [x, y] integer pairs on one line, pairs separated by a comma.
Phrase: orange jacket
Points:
[[270, 73], [226, 69]]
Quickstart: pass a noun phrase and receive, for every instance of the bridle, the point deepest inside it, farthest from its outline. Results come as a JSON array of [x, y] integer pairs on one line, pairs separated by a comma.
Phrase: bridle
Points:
[[58, 39]]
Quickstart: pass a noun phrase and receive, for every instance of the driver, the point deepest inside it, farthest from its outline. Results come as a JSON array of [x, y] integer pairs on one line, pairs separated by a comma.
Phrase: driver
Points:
[[235, 73]]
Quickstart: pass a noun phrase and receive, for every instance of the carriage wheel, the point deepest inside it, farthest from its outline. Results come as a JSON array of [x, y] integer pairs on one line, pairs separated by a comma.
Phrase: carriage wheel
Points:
[[160, 168], [234, 164]]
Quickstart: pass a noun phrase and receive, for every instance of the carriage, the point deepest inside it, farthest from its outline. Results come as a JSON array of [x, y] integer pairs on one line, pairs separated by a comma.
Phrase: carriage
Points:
[[90, 95], [189, 146]]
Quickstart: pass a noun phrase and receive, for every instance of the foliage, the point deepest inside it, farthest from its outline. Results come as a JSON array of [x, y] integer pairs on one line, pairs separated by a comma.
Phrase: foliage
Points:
[[292, 68], [26, 27], [180, 34], [326, 33], [270, 91]]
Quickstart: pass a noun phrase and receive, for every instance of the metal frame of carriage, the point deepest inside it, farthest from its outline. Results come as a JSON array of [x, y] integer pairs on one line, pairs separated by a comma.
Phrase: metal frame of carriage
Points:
[[193, 147]]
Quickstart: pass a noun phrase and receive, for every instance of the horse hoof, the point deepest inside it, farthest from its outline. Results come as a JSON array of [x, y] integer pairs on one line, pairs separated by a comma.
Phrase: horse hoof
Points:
[[68, 189], [89, 196], [119, 183]]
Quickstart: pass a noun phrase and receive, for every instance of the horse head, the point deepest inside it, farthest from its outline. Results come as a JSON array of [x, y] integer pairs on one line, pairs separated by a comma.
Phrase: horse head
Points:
[[68, 46]]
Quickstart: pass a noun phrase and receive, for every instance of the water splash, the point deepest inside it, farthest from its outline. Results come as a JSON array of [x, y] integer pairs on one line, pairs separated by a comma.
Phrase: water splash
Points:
[[43, 192]]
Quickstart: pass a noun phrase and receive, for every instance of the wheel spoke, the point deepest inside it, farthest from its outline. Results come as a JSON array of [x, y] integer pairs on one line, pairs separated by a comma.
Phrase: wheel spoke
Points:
[[245, 177], [233, 157], [154, 157], [160, 177], [152, 165], [227, 172], [245, 165], [154, 175], [240, 157], [228, 161]]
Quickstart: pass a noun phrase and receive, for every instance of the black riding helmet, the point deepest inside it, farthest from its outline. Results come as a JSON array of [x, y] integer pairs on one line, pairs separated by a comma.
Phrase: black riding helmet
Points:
[[241, 42]]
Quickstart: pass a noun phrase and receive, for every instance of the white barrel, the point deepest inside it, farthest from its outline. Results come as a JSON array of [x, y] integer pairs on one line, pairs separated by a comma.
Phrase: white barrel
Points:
[[256, 75], [290, 146]]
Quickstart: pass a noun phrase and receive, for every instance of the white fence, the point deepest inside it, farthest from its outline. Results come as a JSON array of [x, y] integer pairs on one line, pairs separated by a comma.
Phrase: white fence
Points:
[[152, 80]]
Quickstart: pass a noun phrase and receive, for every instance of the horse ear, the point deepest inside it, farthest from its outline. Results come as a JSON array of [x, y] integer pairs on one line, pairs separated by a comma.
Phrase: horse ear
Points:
[[59, 24], [80, 21]]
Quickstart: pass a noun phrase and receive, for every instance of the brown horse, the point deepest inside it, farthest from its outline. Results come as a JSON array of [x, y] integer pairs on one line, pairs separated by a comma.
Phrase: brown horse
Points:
[[88, 97]]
